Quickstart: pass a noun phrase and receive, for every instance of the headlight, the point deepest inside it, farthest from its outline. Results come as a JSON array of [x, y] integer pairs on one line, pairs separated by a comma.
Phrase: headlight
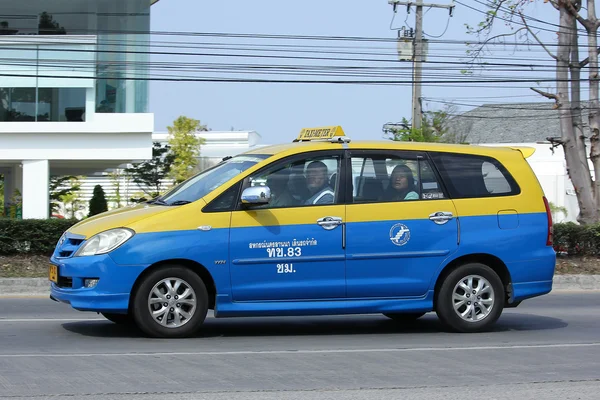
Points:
[[104, 242]]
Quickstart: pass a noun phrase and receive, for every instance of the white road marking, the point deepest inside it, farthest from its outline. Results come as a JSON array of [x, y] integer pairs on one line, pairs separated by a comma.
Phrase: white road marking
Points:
[[323, 351]]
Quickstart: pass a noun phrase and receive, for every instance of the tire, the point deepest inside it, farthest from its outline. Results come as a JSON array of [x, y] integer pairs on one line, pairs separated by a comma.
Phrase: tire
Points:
[[489, 305], [119, 319], [147, 297], [404, 317]]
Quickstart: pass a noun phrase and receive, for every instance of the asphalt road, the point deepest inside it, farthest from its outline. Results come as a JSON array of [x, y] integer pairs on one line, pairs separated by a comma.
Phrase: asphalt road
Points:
[[547, 348]]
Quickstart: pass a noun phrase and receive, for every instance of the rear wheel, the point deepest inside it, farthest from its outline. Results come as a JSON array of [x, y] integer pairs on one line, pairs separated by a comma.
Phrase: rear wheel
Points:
[[404, 317], [171, 302], [120, 319], [470, 299]]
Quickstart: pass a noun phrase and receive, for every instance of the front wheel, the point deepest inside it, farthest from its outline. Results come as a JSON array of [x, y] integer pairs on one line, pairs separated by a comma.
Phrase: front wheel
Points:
[[171, 302], [470, 299]]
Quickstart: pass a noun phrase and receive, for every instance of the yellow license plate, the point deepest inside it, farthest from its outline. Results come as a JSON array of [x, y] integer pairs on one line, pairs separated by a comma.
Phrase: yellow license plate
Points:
[[53, 273]]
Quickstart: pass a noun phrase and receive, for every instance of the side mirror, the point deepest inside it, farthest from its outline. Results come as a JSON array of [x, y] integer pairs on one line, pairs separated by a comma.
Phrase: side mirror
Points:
[[256, 195]]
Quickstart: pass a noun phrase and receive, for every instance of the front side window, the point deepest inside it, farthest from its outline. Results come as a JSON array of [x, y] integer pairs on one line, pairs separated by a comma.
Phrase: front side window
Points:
[[205, 182], [389, 178], [306, 182], [472, 176]]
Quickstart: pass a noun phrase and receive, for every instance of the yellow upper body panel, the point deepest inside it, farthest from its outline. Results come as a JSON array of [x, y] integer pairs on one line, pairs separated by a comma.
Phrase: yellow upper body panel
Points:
[[152, 218], [288, 149], [122, 217]]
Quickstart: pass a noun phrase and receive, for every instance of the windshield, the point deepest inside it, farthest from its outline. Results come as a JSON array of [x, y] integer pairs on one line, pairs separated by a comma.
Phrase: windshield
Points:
[[205, 182]]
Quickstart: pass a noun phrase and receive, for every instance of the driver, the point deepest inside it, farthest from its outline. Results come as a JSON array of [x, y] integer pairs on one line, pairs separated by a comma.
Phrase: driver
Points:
[[318, 184]]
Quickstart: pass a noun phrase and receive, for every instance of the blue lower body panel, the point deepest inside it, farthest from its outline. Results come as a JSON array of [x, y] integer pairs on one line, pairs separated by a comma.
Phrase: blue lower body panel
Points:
[[226, 308], [90, 300], [111, 293]]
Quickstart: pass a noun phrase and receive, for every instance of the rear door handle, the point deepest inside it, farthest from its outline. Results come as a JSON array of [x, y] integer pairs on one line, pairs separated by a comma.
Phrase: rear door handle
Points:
[[441, 217], [329, 222]]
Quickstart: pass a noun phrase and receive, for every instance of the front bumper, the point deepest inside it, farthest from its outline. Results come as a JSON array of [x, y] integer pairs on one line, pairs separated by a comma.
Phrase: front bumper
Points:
[[111, 293]]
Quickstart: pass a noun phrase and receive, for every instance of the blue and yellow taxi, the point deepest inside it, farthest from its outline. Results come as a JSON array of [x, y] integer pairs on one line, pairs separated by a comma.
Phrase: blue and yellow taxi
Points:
[[321, 225]]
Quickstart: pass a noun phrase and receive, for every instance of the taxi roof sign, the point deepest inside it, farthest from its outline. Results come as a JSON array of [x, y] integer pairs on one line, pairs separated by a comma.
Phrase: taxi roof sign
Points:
[[321, 133]]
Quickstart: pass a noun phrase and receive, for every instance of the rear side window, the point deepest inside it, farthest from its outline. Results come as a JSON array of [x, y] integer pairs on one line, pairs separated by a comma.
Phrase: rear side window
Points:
[[469, 176]]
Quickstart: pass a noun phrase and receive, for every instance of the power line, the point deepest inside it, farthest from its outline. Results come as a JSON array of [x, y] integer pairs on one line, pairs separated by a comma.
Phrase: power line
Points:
[[508, 10]]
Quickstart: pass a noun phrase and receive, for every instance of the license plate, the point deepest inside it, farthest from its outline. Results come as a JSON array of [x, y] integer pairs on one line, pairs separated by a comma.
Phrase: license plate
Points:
[[53, 273]]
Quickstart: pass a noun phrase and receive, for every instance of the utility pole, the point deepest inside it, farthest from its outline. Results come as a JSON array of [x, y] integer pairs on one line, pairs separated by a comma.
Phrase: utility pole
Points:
[[418, 52]]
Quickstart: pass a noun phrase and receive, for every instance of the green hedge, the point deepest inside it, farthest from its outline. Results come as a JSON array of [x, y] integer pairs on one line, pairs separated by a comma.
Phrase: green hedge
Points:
[[39, 237], [31, 236], [577, 240]]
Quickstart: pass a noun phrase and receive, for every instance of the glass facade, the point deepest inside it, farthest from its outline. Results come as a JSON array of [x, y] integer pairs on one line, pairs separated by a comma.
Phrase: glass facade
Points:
[[47, 81], [42, 104]]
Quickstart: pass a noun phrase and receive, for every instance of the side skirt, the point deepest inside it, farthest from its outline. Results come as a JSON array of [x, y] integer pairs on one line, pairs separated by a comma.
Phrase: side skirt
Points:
[[226, 308]]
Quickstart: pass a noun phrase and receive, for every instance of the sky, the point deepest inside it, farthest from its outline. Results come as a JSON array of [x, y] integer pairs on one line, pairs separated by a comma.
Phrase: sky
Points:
[[279, 111]]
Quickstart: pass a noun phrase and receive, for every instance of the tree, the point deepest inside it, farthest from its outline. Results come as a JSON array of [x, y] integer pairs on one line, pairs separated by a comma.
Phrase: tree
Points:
[[61, 186], [434, 128], [567, 97], [48, 26], [72, 204], [185, 146], [98, 203], [117, 177], [150, 175]]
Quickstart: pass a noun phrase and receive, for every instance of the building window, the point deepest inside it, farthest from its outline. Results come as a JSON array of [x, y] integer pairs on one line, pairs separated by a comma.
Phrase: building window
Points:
[[61, 105], [17, 104], [42, 104]]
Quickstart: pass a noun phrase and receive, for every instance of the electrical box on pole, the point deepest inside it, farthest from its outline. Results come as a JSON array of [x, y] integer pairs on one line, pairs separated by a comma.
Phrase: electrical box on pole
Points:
[[406, 49]]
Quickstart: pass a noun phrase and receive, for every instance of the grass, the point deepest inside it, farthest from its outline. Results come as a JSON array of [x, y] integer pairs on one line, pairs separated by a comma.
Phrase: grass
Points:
[[37, 266]]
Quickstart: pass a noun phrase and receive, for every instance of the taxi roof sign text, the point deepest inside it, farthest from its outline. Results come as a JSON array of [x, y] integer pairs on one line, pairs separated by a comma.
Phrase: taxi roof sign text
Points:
[[324, 132]]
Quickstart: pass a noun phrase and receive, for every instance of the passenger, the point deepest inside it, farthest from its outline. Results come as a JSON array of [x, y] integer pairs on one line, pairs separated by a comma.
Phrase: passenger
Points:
[[318, 184], [401, 186]]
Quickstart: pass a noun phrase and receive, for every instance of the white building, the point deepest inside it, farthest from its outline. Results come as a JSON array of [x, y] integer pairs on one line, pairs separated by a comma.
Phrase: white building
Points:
[[216, 146], [219, 144], [66, 106]]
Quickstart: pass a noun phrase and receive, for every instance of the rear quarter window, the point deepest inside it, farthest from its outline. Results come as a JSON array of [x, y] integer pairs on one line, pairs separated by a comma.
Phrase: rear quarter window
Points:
[[472, 176]]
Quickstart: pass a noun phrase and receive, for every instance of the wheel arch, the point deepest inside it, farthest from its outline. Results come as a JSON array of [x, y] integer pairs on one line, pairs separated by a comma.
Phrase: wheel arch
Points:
[[194, 266], [490, 260]]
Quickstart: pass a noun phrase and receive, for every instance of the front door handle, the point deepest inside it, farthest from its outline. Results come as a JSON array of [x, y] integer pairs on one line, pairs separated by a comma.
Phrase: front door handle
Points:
[[329, 222], [441, 217]]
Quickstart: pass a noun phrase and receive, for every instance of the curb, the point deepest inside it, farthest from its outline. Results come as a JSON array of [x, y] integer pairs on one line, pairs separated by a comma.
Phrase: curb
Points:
[[576, 282], [41, 286]]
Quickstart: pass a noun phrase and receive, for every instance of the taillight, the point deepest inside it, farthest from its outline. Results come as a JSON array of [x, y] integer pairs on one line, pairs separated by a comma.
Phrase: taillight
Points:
[[549, 239]]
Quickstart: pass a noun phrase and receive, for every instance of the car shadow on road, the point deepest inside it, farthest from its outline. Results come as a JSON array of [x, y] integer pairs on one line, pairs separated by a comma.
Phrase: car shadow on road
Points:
[[318, 326]]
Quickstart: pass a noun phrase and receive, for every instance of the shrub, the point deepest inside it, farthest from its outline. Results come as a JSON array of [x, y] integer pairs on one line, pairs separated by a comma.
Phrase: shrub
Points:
[[31, 236], [98, 203], [577, 240]]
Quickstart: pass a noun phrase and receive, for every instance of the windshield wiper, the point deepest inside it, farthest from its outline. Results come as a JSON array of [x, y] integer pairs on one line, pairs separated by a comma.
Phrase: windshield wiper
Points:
[[180, 202], [158, 201]]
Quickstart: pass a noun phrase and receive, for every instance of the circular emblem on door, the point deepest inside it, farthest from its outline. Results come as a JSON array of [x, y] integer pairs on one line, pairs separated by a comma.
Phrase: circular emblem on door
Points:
[[399, 234]]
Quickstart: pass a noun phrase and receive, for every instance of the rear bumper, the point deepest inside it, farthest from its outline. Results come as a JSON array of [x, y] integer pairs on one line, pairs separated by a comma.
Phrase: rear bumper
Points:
[[534, 277], [527, 290]]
